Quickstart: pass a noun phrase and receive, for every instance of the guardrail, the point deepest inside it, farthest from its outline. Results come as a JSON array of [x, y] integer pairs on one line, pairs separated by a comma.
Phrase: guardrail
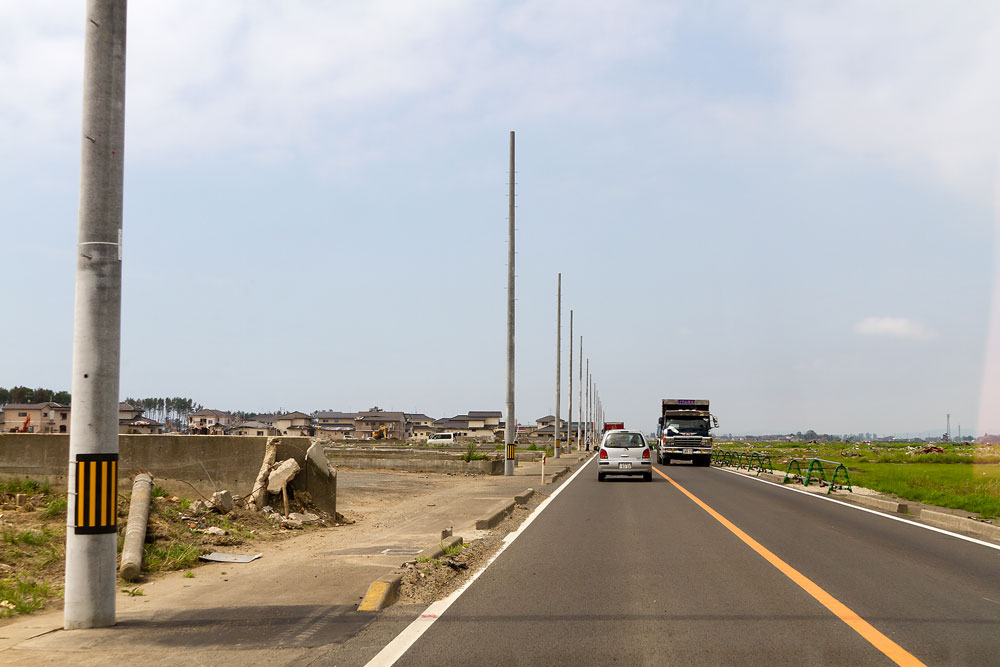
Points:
[[758, 461], [817, 472]]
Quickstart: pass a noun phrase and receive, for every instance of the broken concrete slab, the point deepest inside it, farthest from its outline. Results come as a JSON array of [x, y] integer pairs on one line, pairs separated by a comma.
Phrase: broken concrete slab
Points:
[[304, 517], [321, 479], [281, 475], [222, 502], [259, 492]]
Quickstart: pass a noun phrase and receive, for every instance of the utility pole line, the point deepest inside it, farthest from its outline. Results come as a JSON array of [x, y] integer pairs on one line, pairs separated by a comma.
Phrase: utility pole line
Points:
[[557, 447], [586, 416], [569, 423], [579, 410], [510, 427], [91, 523]]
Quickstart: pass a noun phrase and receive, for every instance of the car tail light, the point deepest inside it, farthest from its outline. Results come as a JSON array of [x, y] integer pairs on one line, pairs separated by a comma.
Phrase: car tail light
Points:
[[645, 453], [604, 454]]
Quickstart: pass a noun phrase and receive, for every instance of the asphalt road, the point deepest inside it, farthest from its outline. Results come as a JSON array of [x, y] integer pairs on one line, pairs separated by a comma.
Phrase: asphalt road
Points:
[[628, 572]]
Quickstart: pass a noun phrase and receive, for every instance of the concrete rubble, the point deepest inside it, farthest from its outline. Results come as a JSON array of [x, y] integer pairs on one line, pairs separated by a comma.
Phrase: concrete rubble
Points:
[[281, 475], [222, 502]]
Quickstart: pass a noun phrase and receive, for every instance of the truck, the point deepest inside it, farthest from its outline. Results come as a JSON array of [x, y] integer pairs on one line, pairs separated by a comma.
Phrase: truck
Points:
[[682, 431], [613, 426]]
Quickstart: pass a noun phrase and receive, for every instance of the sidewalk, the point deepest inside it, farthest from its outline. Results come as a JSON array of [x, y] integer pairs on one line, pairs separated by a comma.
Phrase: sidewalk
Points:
[[302, 593]]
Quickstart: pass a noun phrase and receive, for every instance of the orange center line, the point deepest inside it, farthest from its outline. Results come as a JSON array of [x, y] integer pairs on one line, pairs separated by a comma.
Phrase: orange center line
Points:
[[891, 649]]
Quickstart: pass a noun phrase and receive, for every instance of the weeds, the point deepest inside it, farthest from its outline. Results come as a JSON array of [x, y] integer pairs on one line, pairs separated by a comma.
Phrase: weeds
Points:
[[21, 595], [30, 537], [56, 507], [189, 575], [26, 486], [471, 454], [132, 592], [158, 492], [453, 550], [172, 556]]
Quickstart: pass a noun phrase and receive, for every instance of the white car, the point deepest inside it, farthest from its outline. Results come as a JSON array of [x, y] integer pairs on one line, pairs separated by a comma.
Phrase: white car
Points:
[[441, 439], [624, 453]]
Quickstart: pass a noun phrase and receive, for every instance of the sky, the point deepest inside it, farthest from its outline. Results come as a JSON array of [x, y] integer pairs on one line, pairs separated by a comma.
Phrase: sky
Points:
[[788, 208]]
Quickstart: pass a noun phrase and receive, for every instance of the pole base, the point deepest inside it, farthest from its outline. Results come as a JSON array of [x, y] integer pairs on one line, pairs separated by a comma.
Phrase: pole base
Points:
[[508, 467]]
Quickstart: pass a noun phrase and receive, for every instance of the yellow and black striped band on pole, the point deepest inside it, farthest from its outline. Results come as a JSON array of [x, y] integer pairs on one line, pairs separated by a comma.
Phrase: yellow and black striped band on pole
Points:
[[96, 494], [510, 452]]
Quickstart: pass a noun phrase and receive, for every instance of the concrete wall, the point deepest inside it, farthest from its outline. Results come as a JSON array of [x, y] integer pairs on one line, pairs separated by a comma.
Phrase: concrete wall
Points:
[[412, 460], [208, 463]]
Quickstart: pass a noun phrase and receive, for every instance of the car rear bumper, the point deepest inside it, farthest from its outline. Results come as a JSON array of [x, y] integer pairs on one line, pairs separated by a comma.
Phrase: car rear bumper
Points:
[[611, 468]]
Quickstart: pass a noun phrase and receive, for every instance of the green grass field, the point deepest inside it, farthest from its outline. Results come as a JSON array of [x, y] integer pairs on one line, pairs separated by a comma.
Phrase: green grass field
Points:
[[965, 477]]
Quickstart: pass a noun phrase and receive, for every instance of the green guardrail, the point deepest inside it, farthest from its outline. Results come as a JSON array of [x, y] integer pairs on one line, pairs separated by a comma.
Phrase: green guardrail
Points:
[[816, 471], [759, 461]]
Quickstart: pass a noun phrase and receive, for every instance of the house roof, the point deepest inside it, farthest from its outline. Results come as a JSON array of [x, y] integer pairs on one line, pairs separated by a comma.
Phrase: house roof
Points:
[[334, 415], [485, 413], [546, 419], [140, 421], [293, 415], [35, 406], [381, 416], [416, 415], [210, 413], [122, 406], [252, 424]]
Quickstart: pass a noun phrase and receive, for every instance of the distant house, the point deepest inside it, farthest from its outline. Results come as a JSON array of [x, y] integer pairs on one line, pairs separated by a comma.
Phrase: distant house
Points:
[[128, 411], [49, 417], [253, 427], [206, 422], [294, 423], [366, 423], [139, 426], [334, 425], [418, 426]]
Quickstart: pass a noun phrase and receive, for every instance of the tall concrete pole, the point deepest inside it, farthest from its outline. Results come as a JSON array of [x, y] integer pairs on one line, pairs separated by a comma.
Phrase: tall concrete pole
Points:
[[510, 428], [557, 446], [579, 410], [569, 424], [91, 523], [586, 413]]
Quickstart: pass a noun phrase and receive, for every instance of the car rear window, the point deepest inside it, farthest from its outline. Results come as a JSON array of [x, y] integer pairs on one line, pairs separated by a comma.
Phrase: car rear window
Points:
[[624, 440]]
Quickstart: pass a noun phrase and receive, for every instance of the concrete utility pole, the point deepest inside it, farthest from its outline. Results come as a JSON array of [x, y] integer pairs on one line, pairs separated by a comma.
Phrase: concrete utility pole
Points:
[[586, 414], [557, 447], [569, 424], [579, 410], [510, 428], [91, 516]]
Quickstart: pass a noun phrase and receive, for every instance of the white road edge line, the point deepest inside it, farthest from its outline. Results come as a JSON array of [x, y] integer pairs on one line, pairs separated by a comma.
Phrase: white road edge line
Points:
[[865, 509], [395, 649]]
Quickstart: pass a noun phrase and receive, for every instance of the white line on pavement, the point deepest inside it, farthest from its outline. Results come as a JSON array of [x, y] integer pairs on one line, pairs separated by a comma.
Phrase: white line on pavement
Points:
[[405, 639], [870, 511]]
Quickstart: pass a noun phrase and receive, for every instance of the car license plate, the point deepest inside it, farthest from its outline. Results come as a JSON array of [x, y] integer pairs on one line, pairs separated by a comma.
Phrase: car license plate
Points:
[[624, 466], [687, 450]]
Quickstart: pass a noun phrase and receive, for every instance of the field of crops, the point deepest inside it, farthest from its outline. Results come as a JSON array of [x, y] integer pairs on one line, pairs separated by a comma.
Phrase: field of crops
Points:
[[962, 476]]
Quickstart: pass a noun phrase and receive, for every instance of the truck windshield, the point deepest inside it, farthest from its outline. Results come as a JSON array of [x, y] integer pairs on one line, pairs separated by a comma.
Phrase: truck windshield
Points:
[[699, 426]]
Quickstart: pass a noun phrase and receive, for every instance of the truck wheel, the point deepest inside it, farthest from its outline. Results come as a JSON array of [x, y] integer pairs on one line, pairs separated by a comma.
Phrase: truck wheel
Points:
[[648, 477], [659, 459], [600, 477], [705, 461], [666, 460]]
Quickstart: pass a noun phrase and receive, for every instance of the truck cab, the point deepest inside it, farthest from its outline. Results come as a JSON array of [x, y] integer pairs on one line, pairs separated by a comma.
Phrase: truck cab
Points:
[[683, 431]]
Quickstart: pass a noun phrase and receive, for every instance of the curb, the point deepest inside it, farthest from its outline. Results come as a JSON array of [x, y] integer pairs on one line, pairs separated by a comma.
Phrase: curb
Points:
[[879, 504], [496, 516], [382, 592], [557, 475], [961, 524], [523, 497]]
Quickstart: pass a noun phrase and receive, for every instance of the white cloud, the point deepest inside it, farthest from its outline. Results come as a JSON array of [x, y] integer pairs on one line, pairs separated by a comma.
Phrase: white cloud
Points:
[[893, 327], [907, 84]]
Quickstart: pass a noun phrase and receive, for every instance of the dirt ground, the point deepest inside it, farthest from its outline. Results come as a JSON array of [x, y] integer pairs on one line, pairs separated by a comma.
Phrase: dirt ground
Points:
[[33, 540]]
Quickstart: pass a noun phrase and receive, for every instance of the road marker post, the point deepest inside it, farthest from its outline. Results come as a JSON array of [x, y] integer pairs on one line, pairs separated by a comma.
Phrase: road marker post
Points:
[[543, 469]]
